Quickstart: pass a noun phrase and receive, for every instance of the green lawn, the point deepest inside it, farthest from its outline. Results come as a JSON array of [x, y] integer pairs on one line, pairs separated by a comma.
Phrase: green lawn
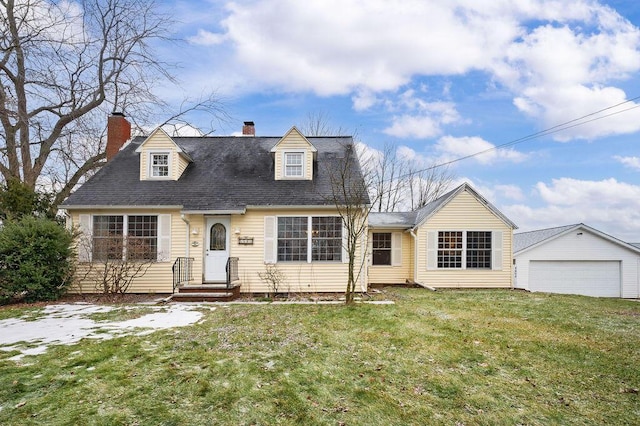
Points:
[[450, 357]]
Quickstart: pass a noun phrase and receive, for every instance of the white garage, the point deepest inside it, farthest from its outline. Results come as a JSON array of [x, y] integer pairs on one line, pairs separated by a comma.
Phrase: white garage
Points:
[[576, 259]]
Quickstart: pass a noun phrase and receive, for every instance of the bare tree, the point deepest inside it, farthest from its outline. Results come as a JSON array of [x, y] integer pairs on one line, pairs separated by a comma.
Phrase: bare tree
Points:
[[426, 184], [116, 261], [350, 195], [64, 66], [319, 124]]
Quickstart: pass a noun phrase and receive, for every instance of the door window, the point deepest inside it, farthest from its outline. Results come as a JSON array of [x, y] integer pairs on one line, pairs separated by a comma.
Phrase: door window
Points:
[[218, 237]]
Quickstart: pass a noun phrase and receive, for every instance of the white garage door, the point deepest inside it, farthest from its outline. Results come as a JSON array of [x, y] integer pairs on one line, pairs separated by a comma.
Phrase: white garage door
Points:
[[589, 278]]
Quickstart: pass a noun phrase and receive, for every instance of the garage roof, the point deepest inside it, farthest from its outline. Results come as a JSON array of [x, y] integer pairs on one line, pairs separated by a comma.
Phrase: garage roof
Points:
[[526, 240]]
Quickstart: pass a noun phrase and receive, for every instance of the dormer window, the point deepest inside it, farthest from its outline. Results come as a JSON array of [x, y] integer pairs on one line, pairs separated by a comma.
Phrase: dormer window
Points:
[[294, 164], [159, 165]]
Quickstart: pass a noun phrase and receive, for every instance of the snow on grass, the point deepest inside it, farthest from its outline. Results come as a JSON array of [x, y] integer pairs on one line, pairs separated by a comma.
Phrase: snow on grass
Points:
[[67, 324]]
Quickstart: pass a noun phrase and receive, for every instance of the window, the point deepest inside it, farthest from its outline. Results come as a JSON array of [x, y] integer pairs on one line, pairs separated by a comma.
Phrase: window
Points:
[[142, 238], [302, 238], [465, 250], [450, 249], [326, 241], [111, 232], [382, 248], [478, 249], [108, 237], [160, 165], [218, 237], [292, 238], [293, 164]]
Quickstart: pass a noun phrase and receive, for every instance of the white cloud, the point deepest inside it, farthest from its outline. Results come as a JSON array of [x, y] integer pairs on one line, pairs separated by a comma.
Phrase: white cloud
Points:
[[608, 205], [632, 162], [559, 60], [207, 38], [457, 147], [425, 119], [512, 192]]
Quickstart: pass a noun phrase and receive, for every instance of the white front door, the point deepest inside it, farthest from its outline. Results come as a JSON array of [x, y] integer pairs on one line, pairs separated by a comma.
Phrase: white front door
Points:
[[216, 251]]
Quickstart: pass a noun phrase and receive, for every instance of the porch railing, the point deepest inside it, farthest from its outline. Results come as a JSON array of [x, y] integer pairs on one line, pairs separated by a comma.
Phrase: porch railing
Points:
[[232, 270], [182, 271]]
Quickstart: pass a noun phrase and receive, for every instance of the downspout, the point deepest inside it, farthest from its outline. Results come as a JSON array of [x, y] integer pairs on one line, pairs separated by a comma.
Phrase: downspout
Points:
[[415, 254], [185, 220]]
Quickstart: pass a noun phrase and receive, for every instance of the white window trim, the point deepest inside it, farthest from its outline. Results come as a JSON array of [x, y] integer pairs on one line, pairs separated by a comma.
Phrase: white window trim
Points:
[[494, 249], [150, 165], [304, 163]]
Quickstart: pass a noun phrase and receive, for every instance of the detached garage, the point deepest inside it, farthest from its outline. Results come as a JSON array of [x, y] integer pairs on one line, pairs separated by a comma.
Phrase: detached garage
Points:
[[576, 259]]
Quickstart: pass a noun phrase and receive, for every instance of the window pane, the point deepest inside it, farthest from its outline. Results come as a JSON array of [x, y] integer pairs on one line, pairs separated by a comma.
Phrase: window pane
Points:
[[326, 239], [293, 162], [381, 248], [292, 239], [450, 249], [107, 238], [160, 165], [479, 250], [218, 237], [142, 238]]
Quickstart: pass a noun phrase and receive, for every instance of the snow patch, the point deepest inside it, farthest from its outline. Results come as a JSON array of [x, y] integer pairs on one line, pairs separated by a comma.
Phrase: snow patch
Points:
[[67, 324]]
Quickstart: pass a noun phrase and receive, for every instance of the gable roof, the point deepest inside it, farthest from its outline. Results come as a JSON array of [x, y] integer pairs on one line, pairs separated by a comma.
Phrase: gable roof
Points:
[[418, 217], [433, 207], [227, 174], [525, 241], [179, 149], [294, 129]]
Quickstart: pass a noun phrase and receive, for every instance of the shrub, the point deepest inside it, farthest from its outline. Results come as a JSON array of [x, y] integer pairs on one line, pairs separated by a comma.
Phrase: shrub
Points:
[[36, 260]]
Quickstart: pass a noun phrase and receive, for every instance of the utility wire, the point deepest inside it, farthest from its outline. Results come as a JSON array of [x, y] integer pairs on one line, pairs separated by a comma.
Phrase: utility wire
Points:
[[555, 129]]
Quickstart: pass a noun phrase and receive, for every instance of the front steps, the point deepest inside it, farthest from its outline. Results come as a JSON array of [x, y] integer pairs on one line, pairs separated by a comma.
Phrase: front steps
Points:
[[207, 293]]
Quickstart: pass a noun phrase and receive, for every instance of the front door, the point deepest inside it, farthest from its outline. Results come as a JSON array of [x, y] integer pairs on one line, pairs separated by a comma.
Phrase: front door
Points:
[[216, 251]]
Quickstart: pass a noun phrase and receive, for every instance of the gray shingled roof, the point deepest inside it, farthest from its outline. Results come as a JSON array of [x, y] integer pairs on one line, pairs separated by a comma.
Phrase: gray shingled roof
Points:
[[525, 240], [416, 218], [227, 173], [392, 220]]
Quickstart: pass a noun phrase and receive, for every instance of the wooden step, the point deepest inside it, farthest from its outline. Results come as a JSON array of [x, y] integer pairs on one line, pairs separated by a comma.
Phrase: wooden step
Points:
[[204, 297]]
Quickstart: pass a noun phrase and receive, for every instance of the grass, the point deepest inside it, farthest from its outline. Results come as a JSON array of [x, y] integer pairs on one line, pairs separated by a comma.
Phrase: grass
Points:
[[451, 357]]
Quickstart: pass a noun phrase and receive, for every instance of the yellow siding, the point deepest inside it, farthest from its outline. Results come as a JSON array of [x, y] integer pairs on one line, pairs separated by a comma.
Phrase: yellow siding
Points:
[[159, 141], [383, 274], [300, 276], [158, 278], [293, 141], [465, 213], [182, 164]]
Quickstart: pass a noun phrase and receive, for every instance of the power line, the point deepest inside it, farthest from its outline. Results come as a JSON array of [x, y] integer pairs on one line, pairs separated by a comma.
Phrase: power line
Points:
[[555, 129]]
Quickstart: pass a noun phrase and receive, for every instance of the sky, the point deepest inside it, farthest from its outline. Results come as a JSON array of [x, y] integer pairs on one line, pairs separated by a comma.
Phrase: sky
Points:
[[441, 80]]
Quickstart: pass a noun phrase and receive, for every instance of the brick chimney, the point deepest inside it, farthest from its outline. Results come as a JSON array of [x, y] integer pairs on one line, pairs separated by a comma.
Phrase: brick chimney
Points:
[[249, 129], [118, 132]]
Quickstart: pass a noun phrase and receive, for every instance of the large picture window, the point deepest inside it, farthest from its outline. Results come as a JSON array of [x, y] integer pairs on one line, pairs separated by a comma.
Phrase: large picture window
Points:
[[381, 248], [468, 250], [326, 241], [303, 238], [133, 237]]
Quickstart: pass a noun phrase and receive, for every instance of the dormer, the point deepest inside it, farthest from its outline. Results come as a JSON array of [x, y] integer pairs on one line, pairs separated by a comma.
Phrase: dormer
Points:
[[161, 158], [293, 156]]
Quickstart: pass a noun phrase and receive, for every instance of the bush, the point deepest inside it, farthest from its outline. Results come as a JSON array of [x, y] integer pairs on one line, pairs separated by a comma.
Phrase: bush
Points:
[[36, 260]]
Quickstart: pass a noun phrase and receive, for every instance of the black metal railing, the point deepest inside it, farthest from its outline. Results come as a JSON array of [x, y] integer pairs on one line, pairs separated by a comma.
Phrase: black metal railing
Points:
[[182, 271], [232, 270]]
